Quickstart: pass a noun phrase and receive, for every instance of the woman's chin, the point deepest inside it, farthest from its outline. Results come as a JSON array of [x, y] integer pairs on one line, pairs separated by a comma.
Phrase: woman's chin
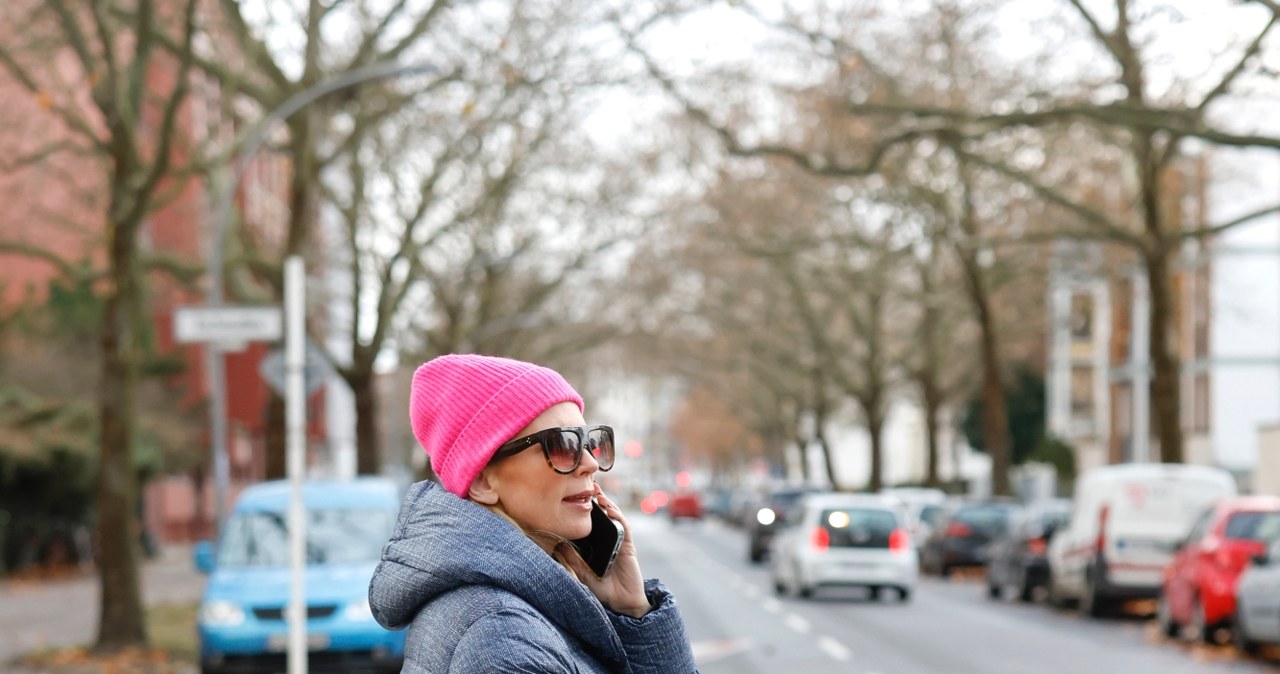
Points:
[[577, 529]]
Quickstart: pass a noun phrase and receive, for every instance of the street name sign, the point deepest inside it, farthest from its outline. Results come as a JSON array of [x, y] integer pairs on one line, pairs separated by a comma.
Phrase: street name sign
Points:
[[227, 324]]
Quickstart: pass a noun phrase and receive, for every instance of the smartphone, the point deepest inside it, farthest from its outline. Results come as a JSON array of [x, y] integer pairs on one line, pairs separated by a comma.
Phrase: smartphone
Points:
[[600, 547]]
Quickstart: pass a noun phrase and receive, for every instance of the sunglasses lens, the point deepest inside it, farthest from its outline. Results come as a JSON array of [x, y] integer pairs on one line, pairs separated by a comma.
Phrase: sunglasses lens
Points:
[[562, 450], [600, 442]]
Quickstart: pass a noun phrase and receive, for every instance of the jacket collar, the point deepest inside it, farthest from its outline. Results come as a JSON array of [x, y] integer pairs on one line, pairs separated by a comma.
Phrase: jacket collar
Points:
[[442, 542]]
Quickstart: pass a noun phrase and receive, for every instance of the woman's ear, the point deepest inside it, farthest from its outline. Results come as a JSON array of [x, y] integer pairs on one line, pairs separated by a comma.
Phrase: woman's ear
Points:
[[482, 489]]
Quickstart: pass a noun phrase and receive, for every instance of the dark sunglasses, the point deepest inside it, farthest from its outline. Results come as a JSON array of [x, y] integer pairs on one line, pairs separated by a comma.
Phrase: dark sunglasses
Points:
[[563, 446]]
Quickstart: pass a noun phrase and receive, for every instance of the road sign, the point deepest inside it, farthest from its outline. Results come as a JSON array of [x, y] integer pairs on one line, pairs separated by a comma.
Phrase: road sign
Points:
[[227, 324], [314, 373]]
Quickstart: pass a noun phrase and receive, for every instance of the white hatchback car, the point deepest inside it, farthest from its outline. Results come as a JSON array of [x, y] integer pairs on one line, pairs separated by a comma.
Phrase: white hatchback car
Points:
[[1257, 618], [833, 539]]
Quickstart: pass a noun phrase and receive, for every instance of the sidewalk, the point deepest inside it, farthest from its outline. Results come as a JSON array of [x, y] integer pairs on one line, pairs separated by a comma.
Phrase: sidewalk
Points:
[[63, 613]]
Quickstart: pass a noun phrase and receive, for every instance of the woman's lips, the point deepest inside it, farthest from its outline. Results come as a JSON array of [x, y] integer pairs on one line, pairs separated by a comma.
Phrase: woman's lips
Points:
[[581, 500]]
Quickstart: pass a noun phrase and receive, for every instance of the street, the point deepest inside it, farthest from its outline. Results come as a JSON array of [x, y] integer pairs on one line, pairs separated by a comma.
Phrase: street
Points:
[[738, 625]]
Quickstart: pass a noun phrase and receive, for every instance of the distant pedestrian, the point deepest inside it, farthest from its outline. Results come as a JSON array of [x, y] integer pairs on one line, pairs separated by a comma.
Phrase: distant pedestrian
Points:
[[480, 568]]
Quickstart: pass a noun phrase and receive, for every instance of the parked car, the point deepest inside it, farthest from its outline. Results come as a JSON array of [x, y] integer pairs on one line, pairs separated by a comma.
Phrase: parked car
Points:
[[768, 516], [241, 620], [1199, 586], [717, 502], [853, 540], [1125, 523], [923, 506], [685, 505], [1017, 559], [963, 533], [1257, 619]]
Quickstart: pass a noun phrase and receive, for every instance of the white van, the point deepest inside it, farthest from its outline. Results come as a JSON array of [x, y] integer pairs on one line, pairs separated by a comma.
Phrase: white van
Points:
[[1126, 521]]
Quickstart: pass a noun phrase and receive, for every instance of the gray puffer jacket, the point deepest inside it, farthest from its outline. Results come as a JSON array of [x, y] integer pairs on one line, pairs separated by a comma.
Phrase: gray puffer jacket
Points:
[[478, 596]]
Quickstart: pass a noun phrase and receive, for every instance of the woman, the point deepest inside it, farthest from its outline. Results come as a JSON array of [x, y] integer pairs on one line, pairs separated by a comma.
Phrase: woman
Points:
[[480, 568]]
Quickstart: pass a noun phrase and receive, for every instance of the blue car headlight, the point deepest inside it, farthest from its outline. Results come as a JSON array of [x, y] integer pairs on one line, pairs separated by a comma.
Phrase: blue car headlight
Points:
[[221, 613], [358, 611]]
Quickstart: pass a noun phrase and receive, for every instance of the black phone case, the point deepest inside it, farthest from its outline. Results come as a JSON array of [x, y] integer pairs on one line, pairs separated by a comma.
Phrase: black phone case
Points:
[[600, 547]]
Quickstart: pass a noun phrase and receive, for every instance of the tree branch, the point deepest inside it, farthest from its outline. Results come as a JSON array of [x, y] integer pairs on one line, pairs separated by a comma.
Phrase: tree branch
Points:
[[1107, 228]]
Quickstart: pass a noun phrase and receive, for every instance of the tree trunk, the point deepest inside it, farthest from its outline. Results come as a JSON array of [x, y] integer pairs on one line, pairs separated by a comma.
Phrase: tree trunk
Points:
[[995, 416], [927, 376], [802, 444], [196, 529], [932, 408], [368, 439], [274, 438], [826, 457], [1165, 394], [120, 622], [875, 426]]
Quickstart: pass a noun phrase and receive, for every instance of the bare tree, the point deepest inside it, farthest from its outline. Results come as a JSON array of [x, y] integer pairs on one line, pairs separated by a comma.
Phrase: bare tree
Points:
[[826, 141], [131, 122], [935, 331], [1145, 127], [258, 60], [445, 168]]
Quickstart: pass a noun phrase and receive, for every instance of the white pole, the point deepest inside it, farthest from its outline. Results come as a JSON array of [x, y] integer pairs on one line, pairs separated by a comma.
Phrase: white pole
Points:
[[295, 457]]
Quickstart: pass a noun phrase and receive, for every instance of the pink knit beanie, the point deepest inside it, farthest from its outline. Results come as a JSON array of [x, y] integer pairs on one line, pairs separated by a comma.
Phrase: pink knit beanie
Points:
[[463, 407]]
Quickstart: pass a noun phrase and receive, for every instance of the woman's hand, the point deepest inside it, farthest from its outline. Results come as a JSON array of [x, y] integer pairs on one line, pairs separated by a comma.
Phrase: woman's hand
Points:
[[621, 590]]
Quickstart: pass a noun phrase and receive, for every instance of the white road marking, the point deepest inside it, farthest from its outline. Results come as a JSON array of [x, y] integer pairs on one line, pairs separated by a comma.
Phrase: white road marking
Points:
[[796, 623], [772, 605], [709, 651], [835, 649]]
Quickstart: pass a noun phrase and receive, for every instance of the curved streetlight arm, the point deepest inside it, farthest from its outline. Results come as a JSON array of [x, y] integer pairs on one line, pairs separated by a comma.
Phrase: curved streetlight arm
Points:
[[258, 136]]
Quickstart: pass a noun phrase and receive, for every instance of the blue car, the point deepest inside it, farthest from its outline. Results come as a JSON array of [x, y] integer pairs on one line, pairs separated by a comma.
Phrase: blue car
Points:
[[241, 621]]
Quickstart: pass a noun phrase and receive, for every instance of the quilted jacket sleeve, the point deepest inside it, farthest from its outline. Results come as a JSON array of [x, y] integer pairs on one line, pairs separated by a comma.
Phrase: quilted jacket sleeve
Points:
[[658, 642], [512, 640]]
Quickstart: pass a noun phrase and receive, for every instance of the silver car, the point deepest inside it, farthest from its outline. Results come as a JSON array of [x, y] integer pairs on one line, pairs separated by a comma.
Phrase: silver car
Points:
[[1257, 619], [845, 540]]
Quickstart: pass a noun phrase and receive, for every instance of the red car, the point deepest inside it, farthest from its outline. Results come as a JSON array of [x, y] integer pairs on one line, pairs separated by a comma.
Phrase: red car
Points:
[[685, 504], [1199, 587]]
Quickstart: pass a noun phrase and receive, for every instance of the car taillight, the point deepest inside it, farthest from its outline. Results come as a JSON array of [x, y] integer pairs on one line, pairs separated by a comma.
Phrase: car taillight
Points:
[[899, 542], [820, 539], [958, 530], [1101, 543], [1036, 546]]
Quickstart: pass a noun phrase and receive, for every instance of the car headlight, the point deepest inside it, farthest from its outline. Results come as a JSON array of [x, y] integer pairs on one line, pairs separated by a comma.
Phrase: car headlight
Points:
[[221, 614], [766, 516], [358, 610]]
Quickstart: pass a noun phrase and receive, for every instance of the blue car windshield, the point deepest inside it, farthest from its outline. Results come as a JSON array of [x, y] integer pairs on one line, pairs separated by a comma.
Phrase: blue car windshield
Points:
[[339, 536]]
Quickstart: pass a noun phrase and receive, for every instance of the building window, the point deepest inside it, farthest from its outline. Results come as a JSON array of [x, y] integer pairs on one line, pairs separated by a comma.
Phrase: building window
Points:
[[1081, 318], [1081, 393]]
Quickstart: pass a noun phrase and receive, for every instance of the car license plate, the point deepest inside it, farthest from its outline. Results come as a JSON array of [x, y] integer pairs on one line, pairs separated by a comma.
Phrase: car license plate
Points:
[[280, 642], [1142, 545]]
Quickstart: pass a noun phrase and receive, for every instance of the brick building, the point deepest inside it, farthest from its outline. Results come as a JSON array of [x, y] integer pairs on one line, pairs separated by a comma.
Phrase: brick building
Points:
[[53, 217]]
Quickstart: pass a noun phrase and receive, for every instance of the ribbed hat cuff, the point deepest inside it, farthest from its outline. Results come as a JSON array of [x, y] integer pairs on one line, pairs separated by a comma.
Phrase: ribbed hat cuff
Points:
[[510, 409]]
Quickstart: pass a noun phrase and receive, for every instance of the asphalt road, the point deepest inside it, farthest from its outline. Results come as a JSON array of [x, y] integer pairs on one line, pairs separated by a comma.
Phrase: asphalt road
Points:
[[739, 626]]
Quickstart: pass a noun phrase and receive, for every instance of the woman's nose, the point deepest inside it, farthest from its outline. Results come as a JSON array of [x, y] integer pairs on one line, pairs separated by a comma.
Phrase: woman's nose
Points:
[[588, 465]]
